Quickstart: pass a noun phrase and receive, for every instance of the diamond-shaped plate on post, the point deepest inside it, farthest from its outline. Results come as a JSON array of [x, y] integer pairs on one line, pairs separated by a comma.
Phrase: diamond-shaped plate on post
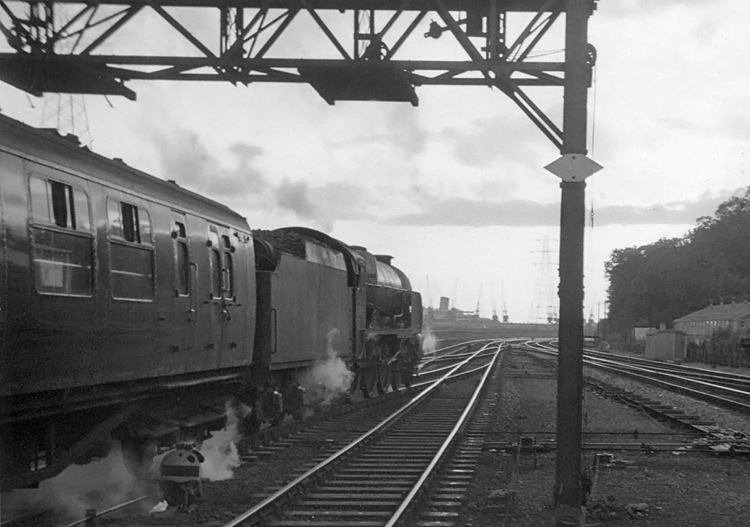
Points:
[[574, 167]]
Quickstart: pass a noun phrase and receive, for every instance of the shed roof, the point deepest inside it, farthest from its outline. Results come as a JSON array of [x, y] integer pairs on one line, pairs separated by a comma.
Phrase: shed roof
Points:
[[732, 311]]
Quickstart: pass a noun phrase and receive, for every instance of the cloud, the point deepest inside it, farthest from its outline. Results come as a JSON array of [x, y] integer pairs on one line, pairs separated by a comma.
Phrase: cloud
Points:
[[295, 196], [186, 159], [735, 127], [487, 142], [642, 7], [480, 213], [674, 213], [395, 128], [465, 212], [236, 180]]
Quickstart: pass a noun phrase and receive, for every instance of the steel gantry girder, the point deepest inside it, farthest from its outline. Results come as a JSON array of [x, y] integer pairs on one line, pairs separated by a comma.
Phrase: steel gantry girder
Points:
[[347, 50]]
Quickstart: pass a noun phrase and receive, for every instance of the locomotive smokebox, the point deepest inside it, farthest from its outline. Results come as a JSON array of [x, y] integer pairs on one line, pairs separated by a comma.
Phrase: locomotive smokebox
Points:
[[181, 476]]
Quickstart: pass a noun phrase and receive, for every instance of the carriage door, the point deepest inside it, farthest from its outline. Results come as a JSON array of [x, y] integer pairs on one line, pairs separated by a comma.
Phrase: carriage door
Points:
[[222, 297], [185, 284]]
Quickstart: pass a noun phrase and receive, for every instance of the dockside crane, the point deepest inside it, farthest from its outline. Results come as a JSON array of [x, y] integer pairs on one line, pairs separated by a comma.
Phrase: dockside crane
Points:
[[479, 300], [502, 299], [494, 306]]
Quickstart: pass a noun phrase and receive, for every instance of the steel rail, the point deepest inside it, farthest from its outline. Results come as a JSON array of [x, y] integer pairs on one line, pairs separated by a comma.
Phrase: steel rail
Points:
[[434, 355], [453, 376], [654, 370], [726, 390], [453, 357], [699, 372], [687, 370], [644, 377], [448, 367], [409, 499], [267, 435], [266, 503], [106, 511]]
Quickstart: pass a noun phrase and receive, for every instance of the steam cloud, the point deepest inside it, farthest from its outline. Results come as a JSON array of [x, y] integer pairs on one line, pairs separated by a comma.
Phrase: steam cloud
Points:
[[97, 485], [329, 379], [429, 341], [220, 450]]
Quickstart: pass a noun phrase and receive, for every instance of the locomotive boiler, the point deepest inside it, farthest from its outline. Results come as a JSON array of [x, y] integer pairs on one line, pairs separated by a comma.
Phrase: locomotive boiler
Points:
[[132, 309]]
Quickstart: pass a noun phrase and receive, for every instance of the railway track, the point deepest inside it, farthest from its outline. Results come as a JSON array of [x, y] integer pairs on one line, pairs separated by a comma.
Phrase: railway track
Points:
[[274, 441], [692, 382], [268, 439], [383, 476], [713, 439]]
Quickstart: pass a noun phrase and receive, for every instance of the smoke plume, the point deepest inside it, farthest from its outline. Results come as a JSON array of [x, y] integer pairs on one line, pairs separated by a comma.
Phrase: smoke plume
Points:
[[329, 379]]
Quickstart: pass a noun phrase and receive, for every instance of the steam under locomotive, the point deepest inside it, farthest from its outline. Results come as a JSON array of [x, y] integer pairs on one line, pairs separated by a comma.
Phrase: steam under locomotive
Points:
[[133, 309]]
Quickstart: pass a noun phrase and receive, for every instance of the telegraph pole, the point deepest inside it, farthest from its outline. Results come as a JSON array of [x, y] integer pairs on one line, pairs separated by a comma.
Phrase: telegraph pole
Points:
[[573, 168]]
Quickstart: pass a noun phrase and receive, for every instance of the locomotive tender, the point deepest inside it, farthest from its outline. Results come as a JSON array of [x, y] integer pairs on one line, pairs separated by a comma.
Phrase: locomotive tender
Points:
[[133, 309]]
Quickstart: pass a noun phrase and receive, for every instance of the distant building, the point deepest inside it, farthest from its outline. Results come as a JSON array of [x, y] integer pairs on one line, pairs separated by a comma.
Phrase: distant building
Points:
[[665, 344], [640, 332], [700, 325], [444, 303]]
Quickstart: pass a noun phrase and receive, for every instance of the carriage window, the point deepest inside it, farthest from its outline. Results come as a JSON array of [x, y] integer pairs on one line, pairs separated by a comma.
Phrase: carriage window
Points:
[[131, 267], [181, 258], [144, 224], [228, 275], [222, 266], [216, 279], [39, 201], [63, 261], [62, 204], [181, 264], [59, 204], [113, 214], [129, 222], [81, 207], [132, 271]]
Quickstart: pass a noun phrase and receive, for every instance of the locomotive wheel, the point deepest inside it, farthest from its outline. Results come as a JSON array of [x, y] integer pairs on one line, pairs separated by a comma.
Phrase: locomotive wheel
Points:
[[395, 377], [371, 379], [407, 378], [364, 382], [384, 378], [357, 382]]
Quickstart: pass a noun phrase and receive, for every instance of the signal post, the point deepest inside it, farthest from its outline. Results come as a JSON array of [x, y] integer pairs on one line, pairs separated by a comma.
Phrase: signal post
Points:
[[573, 168]]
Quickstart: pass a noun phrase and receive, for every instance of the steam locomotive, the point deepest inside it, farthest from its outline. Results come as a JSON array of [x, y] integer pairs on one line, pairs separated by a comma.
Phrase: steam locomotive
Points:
[[132, 309]]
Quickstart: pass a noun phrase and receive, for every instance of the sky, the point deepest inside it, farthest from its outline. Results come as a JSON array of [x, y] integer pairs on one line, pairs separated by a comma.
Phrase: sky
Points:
[[455, 189]]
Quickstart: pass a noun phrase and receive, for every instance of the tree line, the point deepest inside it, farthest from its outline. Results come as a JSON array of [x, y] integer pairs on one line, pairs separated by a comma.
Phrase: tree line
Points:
[[665, 280]]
